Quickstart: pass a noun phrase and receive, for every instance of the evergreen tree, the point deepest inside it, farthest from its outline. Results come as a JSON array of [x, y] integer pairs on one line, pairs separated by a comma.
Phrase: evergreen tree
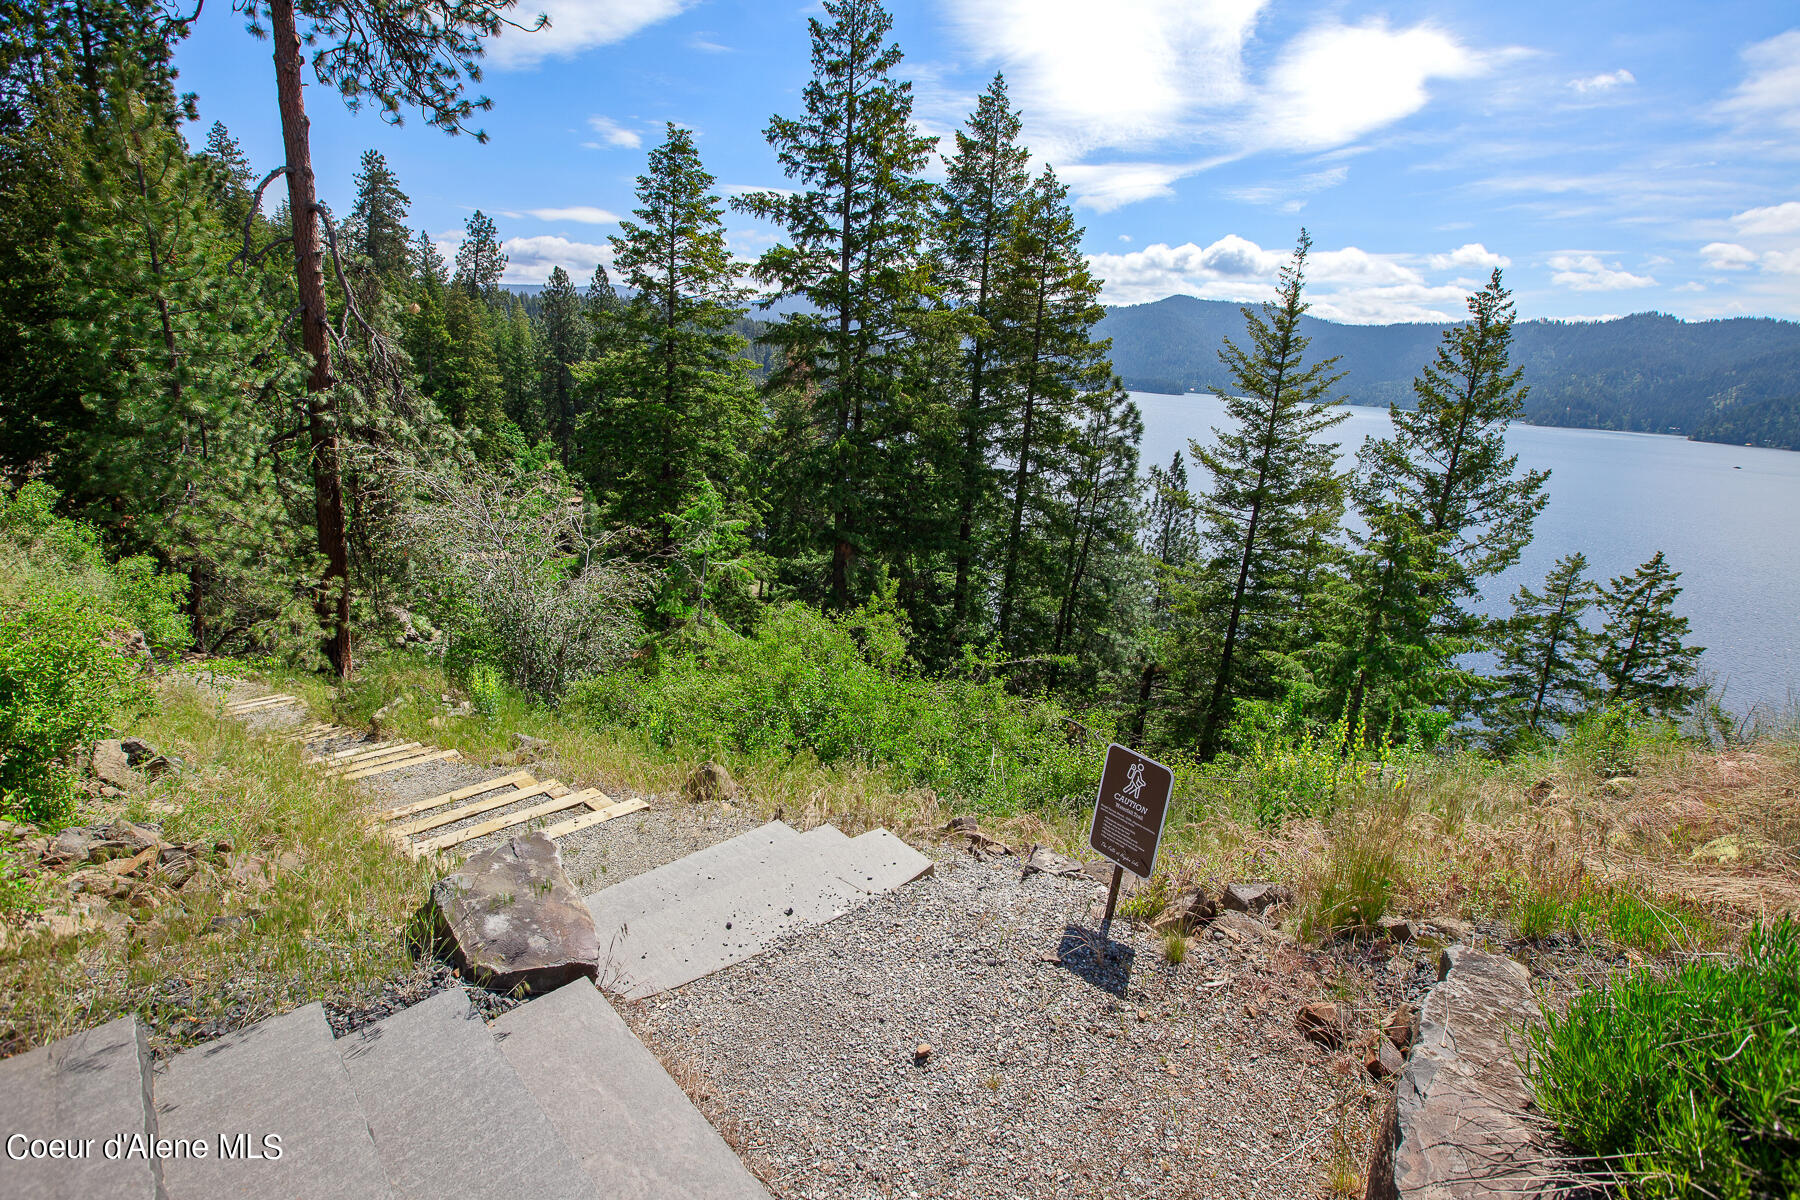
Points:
[[237, 182], [674, 402], [855, 256], [1447, 459], [519, 361], [987, 177], [565, 347], [1047, 303], [427, 263], [1171, 538], [1546, 653], [1099, 527], [1273, 487], [377, 224], [479, 260], [1643, 660]]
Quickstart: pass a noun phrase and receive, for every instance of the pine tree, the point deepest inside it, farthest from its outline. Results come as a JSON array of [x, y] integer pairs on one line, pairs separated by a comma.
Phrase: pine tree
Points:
[[1447, 459], [855, 255], [1643, 660], [377, 225], [427, 262], [1051, 368], [479, 260], [1546, 653], [565, 339], [1273, 486], [237, 181], [1099, 526], [1171, 538], [672, 400], [987, 177]]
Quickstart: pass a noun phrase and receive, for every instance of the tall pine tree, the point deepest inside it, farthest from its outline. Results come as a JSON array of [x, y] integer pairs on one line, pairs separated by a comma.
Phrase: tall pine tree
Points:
[[1546, 652], [1273, 485], [1644, 660], [854, 254], [479, 260], [565, 348], [377, 226]]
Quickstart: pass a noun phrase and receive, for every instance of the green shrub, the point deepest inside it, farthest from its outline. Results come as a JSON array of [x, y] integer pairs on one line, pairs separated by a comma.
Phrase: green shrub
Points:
[[1614, 740], [62, 676], [1282, 765], [1685, 1084], [487, 688], [843, 690]]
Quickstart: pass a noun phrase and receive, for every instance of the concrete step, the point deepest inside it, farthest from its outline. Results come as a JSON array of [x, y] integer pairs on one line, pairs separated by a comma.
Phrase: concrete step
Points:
[[809, 880], [283, 1076], [614, 908], [635, 1133], [449, 1115], [85, 1089]]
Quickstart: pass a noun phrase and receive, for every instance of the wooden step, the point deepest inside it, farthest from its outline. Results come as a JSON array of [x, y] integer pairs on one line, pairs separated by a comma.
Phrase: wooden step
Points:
[[550, 787], [403, 764], [508, 820], [522, 778]]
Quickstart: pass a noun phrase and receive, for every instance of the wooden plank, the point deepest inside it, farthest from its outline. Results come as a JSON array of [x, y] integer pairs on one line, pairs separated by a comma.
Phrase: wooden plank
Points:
[[364, 748], [461, 793], [548, 787], [402, 764], [589, 820], [509, 820], [261, 702], [295, 735], [391, 754], [343, 759], [271, 698]]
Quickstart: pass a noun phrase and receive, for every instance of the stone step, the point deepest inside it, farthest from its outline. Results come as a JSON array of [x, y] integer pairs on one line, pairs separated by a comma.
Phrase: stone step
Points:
[[614, 908], [635, 1133], [86, 1088], [449, 1115], [810, 880], [283, 1076]]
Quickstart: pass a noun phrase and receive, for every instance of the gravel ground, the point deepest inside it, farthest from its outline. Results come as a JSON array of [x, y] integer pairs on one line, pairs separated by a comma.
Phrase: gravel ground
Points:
[[1048, 1072]]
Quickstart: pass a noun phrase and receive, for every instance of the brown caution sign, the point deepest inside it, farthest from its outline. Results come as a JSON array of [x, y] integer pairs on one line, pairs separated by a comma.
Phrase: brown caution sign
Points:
[[1130, 809]]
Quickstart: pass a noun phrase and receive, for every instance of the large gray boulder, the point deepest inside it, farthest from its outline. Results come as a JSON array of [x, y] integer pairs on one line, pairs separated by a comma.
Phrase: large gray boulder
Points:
[[510, 917], [1459, 1125]]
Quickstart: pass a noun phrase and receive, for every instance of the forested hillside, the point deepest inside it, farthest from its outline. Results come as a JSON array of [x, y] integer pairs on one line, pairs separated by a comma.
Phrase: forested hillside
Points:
[[899, 431], [1734, 380]]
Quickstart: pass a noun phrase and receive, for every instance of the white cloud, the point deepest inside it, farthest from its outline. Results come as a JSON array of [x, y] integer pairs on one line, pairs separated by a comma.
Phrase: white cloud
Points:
[[1106, 186], [1286, 192], [1774, 219], [1727, 256], [1334, 83], [1127, 74], [1126, 238], [1604, 82], [613, 136], [1474, 254], [575, 25], [1769, 96], [1587, 273], [1782, 262], [585, 214], [1347, 284], [530, 258]]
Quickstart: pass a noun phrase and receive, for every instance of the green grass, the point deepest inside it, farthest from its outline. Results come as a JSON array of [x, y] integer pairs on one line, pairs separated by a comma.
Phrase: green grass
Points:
[[1685, 1084]]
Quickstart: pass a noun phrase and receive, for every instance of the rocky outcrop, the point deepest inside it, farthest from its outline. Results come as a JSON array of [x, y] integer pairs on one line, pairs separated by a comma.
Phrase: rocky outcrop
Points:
[[1459, 1127], [510, 917], [710, 783], [1254, 898]]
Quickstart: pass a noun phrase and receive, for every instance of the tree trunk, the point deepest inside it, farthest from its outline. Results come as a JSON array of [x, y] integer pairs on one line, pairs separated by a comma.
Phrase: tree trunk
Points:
[[333, 601]]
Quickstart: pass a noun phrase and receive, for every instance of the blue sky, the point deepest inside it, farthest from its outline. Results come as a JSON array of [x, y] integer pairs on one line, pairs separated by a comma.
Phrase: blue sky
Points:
[[1613, 157]]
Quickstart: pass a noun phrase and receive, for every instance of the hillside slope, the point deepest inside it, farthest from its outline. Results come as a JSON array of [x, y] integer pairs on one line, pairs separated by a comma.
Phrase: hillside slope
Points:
[[1730, 380]]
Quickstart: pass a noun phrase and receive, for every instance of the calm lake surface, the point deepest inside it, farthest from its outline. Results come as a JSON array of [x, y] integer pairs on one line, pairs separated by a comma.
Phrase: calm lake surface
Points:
[[1727, 517]]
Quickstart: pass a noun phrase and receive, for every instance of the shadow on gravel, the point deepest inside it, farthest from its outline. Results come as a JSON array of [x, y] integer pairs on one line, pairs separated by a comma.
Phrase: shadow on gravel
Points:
[[1080, 954]]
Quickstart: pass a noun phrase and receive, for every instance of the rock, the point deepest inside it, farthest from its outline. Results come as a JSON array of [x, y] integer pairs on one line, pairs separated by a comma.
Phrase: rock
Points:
[[1254, 898], [110, 792], [1382, 1060], [922, 1052], [1189, 911], [137, 751], [524, 741], [1735, 848], [510, 918], [1045, 861], [100, 843], [1618, 785], [248, 873], [1458, 1127], [710, 782], [109, 763], [1397, 929], [1322, 1022], [1400, 1027], [1452, 928]]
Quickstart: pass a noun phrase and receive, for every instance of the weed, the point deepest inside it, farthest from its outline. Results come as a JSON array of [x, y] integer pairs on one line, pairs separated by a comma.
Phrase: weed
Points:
[[1174, 947]]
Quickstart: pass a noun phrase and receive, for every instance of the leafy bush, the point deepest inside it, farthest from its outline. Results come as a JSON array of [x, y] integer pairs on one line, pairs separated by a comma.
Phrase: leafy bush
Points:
[[487, 690], [843, 690], [1283, 766], [62, 675], [1687, 1084], [1614, 740]]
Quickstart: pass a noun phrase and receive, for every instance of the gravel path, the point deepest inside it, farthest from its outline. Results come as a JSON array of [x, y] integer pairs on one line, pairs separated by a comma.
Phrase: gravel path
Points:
[[1048, 1074]]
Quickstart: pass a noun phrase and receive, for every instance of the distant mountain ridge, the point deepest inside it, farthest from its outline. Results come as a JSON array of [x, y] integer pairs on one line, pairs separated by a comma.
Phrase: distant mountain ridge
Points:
[[1733, 380]]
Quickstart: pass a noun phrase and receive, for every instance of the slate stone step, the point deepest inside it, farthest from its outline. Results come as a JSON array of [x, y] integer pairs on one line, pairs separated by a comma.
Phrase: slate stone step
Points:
[[633, 1130], [85, 1089], [810, 880], [283, 1076], [716, 866], [449, 1116]]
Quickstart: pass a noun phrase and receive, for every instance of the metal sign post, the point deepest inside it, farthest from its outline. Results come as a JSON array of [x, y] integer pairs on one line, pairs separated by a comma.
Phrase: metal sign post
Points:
[[1129, 811]]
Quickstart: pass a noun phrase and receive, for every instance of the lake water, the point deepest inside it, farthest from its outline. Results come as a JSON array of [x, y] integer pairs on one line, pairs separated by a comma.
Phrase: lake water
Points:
[[1727, 518]]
